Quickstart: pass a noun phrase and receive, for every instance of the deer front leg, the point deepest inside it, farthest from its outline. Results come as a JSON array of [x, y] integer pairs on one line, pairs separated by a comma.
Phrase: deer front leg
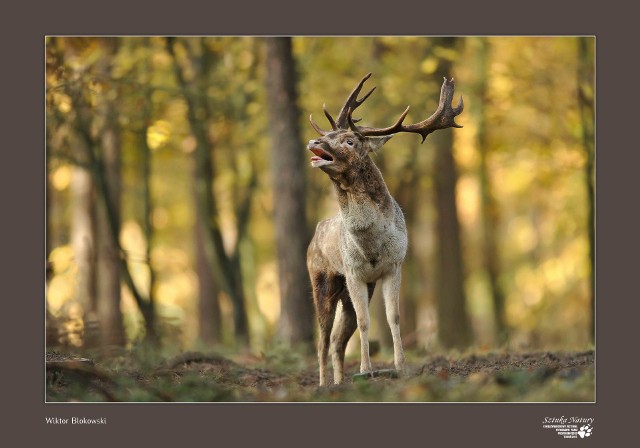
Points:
[[391, 294], [359, 299], [343, 327]]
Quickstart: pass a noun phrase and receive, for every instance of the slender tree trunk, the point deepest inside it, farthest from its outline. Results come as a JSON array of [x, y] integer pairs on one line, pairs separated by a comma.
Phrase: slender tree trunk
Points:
[[108, 276], [108, 261], [209, 315], [51, 327], [83, 241], [110, 220], [49, 201], [149, 310], [488, 205], [288, 176], [453, 322], [586, 95], [225, 271], [111, 217]]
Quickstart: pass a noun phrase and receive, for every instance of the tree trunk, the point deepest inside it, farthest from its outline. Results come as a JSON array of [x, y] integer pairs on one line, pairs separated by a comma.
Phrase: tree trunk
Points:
[[149, 310], [586, 95], [225, 271], [209, 316], [83, 241], [51, 328], [488, 205], [453, 322], [109, 220], [49, 211], [288, 177], [108, 261]]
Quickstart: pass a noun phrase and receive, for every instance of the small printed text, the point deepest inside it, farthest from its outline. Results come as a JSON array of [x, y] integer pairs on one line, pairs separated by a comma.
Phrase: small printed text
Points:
[[75, 421]]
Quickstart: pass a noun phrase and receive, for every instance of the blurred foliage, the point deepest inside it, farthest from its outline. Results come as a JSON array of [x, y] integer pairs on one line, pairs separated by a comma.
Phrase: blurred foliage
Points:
[[536, 164]]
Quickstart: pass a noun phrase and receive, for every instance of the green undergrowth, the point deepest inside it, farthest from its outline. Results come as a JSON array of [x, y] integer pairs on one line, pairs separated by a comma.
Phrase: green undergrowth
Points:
[[146, 374]]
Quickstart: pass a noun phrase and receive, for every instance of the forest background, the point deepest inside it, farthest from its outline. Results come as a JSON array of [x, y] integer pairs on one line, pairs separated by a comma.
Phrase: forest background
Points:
[[180, 198]]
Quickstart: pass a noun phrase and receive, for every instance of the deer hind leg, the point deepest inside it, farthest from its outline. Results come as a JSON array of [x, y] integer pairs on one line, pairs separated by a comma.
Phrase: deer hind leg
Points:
[[325, 297], [391, 294], [343, 328]]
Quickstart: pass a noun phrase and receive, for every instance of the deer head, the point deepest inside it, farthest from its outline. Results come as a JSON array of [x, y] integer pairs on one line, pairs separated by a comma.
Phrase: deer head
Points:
[[347, 143]]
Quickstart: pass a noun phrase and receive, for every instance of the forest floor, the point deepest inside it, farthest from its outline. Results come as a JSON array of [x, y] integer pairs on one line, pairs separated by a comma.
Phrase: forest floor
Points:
[[287, 377]]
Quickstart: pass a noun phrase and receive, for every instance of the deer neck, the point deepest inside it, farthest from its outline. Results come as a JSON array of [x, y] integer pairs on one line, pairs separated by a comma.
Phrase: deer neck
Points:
[[361, 189]]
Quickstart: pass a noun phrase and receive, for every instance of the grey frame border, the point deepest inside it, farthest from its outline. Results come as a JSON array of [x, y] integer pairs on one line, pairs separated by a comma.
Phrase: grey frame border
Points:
[[290, 424]]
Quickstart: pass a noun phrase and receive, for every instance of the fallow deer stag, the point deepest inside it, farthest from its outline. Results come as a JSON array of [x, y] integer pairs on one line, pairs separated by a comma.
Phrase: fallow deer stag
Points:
[[367, 241]]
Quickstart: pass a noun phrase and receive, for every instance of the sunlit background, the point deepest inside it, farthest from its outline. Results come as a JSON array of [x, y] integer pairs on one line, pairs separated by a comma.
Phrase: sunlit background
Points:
[[523, 160]]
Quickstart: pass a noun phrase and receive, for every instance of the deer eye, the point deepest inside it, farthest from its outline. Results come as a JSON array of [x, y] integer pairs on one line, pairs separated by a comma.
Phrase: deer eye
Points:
[[350, 142]]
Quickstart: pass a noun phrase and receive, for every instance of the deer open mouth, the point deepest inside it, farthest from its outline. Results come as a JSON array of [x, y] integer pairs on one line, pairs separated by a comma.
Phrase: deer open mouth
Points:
[[321, 157]]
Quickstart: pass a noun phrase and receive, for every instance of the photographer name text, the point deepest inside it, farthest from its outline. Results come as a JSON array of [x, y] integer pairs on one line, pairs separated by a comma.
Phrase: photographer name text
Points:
[[75, 421]]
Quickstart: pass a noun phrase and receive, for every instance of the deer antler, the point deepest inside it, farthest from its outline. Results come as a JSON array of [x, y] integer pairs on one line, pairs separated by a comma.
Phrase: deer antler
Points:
[[349, 106], [443, 117], [352, 104]]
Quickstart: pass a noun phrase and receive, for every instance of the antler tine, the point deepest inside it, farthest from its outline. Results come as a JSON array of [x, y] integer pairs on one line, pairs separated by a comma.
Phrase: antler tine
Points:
[[316, 127], [393, 129], [352, 103], [352, 124], [443, 117], [329, 117]]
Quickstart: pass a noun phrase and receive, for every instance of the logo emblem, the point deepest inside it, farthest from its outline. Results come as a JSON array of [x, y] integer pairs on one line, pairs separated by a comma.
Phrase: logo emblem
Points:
[[585, 431]]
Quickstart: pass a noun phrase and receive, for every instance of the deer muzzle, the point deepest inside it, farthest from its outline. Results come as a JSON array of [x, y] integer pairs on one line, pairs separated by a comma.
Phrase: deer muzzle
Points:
[[321, 156]]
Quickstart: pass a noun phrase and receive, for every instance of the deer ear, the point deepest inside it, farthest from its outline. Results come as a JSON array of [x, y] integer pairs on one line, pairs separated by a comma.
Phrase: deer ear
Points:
[[375, 143]]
